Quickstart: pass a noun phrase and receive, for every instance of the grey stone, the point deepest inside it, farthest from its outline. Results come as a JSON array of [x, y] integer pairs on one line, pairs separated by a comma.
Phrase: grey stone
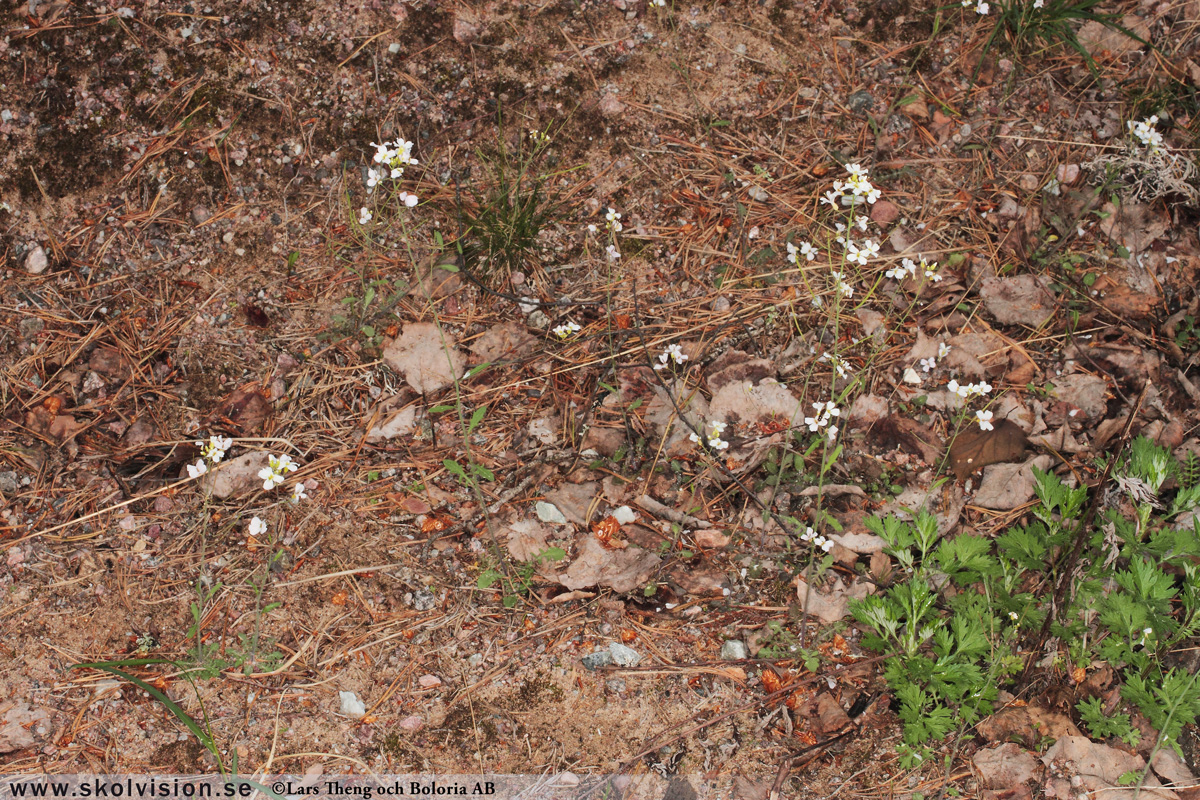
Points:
[[598, 659], [624, 656], [424, 600], [8, 482], [734, 650], [860, 101], [36, 261]]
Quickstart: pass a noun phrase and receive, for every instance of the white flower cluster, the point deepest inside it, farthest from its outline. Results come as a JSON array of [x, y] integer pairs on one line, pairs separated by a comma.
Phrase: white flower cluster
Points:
[[860, 255], [805, 249], [823, 416], [810, 535], [909, 269], [673, 353], [927, 364], [568, 328], [392, 158], [839, 364], [277, 467], [1145, 133], [715, 428], [613, 221], [853, 191], [213, 451], [982, 8], [969, 390], [839, 283]]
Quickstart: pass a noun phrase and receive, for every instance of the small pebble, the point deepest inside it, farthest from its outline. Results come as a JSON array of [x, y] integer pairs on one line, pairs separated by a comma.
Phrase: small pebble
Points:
[[36, 262], [733, 650]]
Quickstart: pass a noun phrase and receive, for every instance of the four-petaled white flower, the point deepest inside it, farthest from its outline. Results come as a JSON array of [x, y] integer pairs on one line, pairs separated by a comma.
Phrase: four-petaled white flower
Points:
[[613, 252], [985, 420], [1145, 133], [824, 414], [613, 218], [256, 527], [277, 466], [673, 352], [943, 350], [712, 435], [982, 8], [299, 493], [197, 469], [1039, 4], [567, 329], [839, 364], [409, 200], [364, 215], [927, 364], [216, 447]]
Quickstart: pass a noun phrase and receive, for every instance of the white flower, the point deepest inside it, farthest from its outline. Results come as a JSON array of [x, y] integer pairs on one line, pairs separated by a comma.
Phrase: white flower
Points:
[[409, 200], [270, 478], [956, 388], [982, 8], [694, 438], [862, 223], [1012, 614], [927, 364], [614, 220], [808, 535], [257, 527], [216, 447], [675, 353], [197, 469], [283, 463], [792, 253], [372, 177], [982, 388], [985, 420], [566, 329], [943, 350], [1145, 133], [832, 198], [808, 251], [613, 252], [856, 171], [364, 215], [591, 228], [832, 432], [931, 271], [298, 493], [837, 363], [1039, 4], [856, 256]]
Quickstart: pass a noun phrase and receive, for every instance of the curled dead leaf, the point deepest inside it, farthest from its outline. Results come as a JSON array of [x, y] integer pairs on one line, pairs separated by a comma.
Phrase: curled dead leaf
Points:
[[974, 449]]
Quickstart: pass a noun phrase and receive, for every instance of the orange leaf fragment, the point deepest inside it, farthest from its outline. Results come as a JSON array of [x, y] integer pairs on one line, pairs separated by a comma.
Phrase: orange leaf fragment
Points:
[[340, 598]]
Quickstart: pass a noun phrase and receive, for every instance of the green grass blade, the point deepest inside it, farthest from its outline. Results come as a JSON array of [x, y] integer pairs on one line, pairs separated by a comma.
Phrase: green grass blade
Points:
[[191, 724]]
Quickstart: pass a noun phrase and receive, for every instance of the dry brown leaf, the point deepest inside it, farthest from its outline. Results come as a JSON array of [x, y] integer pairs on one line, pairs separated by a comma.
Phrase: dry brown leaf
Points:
[[831, 603], [426, 356], [974, 449], [736, 365], [1005, 766], [1027, 725], [505, 341], [1008, 486], [621, 570], [527, 539], [1019, 300], [905, 432]]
